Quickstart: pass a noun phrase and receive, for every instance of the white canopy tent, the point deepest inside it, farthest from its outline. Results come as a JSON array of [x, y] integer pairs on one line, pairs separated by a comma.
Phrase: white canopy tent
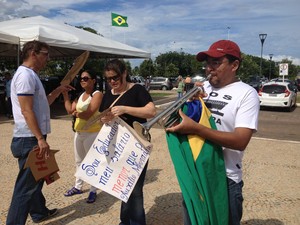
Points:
[[9, 39], [9, 44], [65, 40]]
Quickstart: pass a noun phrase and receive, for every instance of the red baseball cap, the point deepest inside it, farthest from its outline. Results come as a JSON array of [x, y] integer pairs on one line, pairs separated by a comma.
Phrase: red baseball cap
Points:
[[219, 49]]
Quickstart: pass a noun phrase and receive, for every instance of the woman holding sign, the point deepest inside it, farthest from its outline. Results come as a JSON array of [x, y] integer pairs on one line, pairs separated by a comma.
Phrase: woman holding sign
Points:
[[131, 102], [84, 107]]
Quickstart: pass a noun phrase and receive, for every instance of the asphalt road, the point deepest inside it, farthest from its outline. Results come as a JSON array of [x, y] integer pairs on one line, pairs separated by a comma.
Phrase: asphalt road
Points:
[[278, 124]]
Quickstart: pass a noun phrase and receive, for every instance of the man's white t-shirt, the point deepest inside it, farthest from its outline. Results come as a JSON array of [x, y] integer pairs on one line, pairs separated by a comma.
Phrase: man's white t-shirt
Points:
[[26, 82], [232, 106]]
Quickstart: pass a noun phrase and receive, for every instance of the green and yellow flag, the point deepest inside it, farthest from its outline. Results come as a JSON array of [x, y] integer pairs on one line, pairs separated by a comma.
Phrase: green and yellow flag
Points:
[[200, 170], [118, 20]]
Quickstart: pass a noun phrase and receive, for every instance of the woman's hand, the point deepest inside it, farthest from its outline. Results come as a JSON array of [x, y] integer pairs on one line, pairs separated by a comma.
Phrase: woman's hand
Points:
[[118, 110], [107, 117]]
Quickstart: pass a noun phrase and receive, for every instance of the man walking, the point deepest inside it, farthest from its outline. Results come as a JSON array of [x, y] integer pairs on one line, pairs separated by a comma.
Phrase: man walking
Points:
[[31, 114]]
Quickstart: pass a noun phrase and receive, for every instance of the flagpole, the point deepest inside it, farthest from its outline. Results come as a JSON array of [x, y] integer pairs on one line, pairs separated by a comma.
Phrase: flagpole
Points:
[[110, 26]]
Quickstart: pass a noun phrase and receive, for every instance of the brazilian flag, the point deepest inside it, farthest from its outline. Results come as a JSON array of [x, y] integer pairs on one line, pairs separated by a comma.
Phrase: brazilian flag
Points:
[[200, 170], [118, 20]]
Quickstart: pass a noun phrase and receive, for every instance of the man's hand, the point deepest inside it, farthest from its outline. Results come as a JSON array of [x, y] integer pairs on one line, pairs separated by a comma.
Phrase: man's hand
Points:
[[44, 148], [65, 88], [186, 126]]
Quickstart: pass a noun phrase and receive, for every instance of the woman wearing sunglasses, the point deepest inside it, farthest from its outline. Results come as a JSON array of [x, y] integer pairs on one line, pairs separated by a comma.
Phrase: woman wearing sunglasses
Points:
[[135, 104], [83, 108]]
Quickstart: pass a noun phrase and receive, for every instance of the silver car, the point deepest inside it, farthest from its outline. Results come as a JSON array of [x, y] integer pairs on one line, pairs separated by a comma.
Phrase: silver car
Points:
[[160, 83]]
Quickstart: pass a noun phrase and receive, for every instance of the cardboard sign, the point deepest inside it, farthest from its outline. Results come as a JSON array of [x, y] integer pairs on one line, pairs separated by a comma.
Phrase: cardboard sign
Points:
[[42, 168], [78, 64], [115, 160]]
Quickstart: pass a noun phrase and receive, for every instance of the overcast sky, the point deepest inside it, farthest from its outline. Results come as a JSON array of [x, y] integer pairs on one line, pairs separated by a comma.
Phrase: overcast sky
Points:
[[160, 26]]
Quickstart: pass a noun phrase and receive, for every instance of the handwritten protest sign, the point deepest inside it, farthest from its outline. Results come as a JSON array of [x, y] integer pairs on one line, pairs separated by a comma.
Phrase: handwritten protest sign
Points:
[[115, 160]]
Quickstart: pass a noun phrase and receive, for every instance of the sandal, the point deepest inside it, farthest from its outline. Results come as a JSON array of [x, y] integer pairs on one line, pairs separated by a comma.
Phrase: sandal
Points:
[[92, 197], [73, 191]]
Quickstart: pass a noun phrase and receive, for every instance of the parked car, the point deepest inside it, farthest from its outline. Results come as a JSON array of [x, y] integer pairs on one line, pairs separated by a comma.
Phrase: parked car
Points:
[[278, 94], [198, 78], [160, 83], [174, 81], [255, 82], [51, 82], [138, 80], [294, 85], [298, 83]]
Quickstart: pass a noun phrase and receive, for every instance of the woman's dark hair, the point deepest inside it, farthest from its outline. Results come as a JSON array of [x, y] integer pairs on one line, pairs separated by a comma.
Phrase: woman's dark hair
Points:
[[35, 46], [118, 66], [91, 73]]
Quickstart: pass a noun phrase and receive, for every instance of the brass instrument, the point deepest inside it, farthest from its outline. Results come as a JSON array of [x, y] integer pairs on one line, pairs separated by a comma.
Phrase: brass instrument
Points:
[[164, 118]]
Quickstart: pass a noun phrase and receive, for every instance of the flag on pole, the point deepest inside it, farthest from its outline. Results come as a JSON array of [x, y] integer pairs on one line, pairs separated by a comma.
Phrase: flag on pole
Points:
[[200, 170], [118, 20]]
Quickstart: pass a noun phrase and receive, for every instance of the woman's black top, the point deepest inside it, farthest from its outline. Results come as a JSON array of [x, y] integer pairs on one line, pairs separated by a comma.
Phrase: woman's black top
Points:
[[136, 96]]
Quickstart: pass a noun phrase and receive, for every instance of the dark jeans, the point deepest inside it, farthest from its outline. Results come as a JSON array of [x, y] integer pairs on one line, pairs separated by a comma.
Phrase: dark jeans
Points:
[[133, 212], [27, 196], [235, 198]]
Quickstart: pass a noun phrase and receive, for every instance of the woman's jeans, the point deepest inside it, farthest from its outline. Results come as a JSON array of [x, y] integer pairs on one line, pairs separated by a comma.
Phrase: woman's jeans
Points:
[[133, 212], [235, 199], [27, 196]]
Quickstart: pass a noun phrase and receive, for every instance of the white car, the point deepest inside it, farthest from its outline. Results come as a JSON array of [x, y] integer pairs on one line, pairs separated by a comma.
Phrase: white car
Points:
[[278, 94]]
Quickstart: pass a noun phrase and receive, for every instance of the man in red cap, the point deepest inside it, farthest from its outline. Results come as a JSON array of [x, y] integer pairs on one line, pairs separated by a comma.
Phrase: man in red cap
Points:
[[235, 107]]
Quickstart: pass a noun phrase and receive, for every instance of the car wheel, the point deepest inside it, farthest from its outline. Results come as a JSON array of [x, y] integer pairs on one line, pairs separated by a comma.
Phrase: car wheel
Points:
[[290, 108], [164, 88]]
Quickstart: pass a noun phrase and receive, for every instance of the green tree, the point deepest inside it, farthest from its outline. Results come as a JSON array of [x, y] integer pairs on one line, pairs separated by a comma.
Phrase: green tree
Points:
[[147, 68], [249, 67], [171, 70], [136, 71]]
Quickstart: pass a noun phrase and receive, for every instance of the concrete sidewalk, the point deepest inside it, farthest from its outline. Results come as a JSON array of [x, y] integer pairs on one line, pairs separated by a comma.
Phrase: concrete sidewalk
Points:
[[271, 191]]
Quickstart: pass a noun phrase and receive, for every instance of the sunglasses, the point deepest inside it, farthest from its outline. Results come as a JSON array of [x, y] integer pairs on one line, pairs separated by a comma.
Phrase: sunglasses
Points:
[[85, 79], [44, 52], [114, 78]]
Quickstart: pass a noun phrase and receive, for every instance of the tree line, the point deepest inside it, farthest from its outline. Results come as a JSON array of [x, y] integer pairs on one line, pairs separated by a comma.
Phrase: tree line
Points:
[[172, 64]]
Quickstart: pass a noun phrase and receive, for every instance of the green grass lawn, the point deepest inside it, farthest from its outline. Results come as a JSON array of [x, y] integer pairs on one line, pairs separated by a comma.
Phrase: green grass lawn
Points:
[[157, 95]]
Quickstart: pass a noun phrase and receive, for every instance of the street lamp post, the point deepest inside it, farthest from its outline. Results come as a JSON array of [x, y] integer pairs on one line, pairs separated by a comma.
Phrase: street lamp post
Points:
[[262, 38], [228, 31], [271, 55]]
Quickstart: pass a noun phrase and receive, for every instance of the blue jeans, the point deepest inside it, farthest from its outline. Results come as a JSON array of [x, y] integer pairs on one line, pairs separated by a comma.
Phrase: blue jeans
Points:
[[27, 196], [133, 212], [179, 95], [235, 198]]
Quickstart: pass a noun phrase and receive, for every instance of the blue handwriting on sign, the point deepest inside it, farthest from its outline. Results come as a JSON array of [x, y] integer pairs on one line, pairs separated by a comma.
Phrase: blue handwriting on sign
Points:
[[101, 146], [137, 162], [120, 146], [104, 178], [90, 169]]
